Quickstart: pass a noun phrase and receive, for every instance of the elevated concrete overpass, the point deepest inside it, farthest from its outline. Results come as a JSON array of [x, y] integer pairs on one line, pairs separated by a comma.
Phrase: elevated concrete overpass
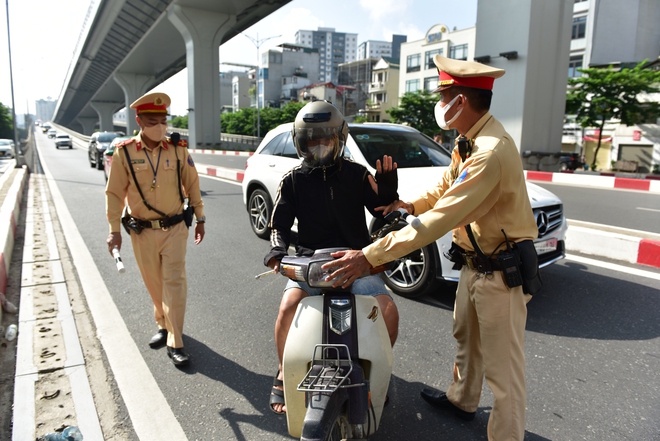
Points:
[[135, 45]]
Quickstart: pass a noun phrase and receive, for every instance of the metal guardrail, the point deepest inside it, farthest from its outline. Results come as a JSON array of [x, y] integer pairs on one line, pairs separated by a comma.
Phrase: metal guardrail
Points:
[[227, 141]]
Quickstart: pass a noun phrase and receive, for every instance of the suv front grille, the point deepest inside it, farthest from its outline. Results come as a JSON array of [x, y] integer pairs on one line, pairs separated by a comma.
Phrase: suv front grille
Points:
[[548, 219]]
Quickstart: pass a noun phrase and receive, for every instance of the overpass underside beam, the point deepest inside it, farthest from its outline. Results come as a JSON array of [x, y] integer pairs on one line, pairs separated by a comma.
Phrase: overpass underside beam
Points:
[[105, 111], [134, 86], [87, 124], [202, 32]]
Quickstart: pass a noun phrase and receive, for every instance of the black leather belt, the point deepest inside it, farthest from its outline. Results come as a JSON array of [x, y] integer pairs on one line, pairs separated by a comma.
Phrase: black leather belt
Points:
[[159, 224], [476, 263]]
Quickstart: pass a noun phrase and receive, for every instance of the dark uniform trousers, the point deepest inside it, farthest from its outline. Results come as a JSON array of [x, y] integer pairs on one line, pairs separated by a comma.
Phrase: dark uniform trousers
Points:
[[489, 327], [161, 257]]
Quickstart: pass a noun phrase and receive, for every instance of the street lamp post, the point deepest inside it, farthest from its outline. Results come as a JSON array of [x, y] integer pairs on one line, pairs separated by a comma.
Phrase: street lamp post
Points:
[[257, 42], [17, 145]]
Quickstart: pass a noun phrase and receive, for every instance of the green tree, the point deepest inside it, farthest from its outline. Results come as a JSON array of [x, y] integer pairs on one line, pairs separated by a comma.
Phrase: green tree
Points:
[[6, 124], [603, 94], [244, 121], [180, 122], [417, 109]]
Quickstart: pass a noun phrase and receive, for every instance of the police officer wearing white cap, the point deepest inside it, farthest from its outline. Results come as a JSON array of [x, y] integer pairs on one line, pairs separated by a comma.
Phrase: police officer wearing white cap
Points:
[[153, 175], [484, 188]]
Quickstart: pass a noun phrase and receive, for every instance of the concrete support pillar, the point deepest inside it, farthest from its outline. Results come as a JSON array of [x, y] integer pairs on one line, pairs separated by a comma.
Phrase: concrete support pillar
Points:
[[87, 124], [202, 32], [530, 99], [105, 111], [134, 86]]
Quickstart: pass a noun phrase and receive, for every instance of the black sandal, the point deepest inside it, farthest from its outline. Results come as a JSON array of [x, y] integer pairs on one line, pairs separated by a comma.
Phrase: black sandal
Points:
[[276, 395]]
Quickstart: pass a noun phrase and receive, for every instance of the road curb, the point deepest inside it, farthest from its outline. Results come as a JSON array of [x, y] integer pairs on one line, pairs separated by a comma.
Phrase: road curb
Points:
[[600, 180], [613, 243], [9, 213]]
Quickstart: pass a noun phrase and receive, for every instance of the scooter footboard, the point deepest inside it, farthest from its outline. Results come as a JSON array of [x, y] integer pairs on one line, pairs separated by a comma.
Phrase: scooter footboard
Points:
[[375, 355]]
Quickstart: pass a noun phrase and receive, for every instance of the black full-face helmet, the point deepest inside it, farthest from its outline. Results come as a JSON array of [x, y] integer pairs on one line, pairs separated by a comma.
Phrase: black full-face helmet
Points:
[[319, 134]]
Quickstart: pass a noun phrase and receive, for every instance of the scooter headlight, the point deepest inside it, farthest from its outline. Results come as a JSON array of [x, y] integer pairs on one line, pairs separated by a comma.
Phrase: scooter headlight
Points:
[[316, 275]]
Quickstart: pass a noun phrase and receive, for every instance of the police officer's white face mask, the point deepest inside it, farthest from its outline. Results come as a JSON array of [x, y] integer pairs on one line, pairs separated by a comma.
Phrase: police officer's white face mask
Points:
[[155, 132], [441, 111]]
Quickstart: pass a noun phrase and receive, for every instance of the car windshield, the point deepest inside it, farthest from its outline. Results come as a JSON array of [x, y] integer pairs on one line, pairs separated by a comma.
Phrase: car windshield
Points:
[[62, 136], [107, 137], [408, 148], [5, 142]]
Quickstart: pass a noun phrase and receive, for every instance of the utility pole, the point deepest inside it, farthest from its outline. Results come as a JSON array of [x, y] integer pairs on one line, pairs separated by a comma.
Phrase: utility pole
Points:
[[11, 81], [257, 42]]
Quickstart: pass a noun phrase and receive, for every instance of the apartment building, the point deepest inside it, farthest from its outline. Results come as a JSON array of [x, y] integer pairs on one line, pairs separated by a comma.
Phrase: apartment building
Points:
[[357, 74], [604, 33], [377, 49], [417, 70], [333, 48], [383, 90], [283, 70]]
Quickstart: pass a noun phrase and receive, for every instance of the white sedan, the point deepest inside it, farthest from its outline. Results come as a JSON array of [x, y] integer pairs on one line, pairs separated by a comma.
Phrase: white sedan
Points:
[[421, 163]]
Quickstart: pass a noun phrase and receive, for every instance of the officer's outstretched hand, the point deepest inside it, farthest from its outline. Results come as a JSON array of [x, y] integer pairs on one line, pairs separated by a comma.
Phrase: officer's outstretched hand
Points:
[[347, 267], [199, 232], [114, 240], [395, 206]]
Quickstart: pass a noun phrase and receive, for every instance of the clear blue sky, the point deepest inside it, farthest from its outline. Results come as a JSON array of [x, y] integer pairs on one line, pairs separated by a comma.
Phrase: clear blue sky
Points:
[[44, 34]]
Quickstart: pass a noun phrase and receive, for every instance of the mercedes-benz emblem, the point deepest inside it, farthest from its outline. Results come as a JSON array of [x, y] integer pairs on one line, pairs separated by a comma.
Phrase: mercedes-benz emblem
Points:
[[542, 222]]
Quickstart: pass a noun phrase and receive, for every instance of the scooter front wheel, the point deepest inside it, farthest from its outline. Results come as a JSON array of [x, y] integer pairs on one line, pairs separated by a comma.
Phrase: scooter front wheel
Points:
[[326, 418]]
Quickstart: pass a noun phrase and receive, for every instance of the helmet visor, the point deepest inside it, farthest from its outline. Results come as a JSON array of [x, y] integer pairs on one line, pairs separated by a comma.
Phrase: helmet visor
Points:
[[304, 138]]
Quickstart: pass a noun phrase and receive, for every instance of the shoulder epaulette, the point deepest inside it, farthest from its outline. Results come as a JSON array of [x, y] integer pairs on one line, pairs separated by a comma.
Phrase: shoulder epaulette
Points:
[[125, 142], [182, 142]]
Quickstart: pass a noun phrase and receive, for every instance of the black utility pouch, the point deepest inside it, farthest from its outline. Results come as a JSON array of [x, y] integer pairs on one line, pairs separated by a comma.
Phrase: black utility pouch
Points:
[[188, 215], [455, 254], [529, 262], [129, 223], [510, 266]]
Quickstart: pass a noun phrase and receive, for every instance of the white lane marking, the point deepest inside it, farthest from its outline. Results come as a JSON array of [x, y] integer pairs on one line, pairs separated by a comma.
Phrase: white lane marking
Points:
[[614, 267], [648, 209], [136, 384]]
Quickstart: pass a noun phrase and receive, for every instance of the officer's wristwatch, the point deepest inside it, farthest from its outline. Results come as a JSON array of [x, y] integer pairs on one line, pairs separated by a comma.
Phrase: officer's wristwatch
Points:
[[201, 220]]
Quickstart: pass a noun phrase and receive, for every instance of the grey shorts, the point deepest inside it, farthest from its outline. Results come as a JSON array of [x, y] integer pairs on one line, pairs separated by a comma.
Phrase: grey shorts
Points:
[[364, 286]]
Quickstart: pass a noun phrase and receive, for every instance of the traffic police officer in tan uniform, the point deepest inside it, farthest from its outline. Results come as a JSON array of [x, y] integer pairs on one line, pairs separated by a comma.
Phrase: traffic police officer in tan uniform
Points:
[[162, 175], [485, 188]]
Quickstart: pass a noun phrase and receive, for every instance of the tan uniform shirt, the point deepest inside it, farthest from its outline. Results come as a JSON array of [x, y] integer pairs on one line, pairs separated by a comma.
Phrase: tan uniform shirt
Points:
[[165, 194], [487, 190]]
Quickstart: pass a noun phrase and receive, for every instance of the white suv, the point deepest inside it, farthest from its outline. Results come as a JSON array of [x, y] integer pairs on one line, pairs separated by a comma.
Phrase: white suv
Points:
[[421, 163]]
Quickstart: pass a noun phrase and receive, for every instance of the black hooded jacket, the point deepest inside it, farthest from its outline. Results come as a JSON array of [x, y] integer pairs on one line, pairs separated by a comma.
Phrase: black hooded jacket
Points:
[[329, 204]]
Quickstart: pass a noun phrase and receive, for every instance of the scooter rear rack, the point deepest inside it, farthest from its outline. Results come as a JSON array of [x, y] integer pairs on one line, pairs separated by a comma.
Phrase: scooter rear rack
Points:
[[329, 370]]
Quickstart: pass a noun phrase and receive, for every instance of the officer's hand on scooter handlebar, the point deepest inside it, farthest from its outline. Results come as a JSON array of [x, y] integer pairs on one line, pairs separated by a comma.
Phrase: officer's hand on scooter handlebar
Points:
[[394, 206], [349, 264]]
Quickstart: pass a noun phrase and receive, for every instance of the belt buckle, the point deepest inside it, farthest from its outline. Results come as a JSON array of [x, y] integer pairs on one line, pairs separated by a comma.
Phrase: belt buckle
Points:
[[156, 224]]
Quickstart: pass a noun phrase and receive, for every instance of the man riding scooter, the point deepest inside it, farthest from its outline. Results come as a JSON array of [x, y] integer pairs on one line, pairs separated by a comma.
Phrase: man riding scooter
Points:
[[327, 193]]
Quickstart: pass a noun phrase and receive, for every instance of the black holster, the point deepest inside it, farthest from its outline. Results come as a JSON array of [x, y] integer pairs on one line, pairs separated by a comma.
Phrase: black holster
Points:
[[130, 223], [188, 215], [455, 254], [529, 266]]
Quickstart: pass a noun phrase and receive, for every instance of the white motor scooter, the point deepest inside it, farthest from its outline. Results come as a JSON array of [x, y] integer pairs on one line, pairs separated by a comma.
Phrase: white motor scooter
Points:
[[337, 358]]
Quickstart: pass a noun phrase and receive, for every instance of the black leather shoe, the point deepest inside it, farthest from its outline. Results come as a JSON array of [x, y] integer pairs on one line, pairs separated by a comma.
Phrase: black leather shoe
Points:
[[159, 340], [439, 399], [178, 356]]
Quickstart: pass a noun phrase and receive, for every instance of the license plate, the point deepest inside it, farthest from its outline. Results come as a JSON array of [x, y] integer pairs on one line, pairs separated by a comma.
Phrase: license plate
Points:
[[545, 246]]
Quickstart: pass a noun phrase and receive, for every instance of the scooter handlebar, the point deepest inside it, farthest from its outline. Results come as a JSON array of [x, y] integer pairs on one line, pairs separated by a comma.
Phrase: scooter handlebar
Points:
[[412, 220]]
